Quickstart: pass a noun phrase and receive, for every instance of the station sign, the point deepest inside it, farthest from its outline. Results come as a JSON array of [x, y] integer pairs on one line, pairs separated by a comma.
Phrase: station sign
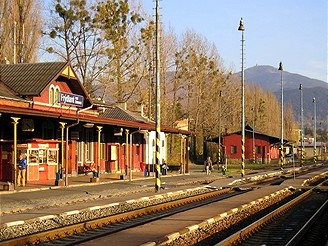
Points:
[[71, 99]]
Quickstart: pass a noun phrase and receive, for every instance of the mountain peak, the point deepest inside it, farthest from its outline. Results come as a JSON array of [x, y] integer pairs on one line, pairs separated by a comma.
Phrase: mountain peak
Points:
[[269, 78]]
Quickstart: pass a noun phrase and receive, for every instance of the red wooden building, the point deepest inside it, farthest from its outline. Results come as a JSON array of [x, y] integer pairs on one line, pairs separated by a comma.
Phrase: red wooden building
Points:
[[59, 127], [260, 146]]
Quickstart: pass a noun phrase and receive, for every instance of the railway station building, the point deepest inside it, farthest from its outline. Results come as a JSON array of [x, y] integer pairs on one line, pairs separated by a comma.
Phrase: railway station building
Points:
[[46, 113]]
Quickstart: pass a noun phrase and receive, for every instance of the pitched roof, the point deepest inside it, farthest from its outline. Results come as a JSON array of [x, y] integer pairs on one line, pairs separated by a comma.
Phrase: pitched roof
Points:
[[30, 79], [115, 112], [5, 92], [249, 129]]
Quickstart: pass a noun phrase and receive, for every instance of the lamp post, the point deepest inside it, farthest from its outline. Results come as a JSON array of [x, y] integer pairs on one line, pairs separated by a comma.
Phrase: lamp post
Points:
[[242, 29], [126, 151], [281, 153], [302, 127], [219, 153], [253, 139], [99, 128], [15, 122], [158, 99], [314, 130]]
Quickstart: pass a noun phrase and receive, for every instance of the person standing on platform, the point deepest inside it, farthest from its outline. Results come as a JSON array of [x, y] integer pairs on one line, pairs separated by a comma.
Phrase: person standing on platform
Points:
[[22, 164], [164, 168], [208, 165]]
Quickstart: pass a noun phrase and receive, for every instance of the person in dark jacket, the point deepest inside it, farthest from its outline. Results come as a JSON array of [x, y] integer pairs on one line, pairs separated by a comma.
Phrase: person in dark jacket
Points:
[[21, 170]]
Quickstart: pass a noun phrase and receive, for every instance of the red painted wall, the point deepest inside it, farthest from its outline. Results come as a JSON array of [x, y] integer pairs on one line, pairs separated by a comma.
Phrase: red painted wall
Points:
[[235, 140]]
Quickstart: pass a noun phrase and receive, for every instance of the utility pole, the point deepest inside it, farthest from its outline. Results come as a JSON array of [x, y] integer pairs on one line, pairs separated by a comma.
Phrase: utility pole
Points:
[[158, 117]]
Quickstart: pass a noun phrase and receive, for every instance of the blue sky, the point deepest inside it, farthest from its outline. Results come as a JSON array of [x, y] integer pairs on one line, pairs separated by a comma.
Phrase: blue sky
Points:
[[291, 31]]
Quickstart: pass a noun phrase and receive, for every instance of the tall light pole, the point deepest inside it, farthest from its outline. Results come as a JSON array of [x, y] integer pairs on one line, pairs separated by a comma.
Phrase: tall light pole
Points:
[[158, 118], [99, 128], [242, 29], [253, 139], [219, 153], [314, 131], [126, 151], [281, 153], [302, 126], [15, 122]]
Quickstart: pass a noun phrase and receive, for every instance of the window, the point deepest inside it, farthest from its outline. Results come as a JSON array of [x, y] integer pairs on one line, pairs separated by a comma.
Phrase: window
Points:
[[258, 149], [33, 156], [233, 149], [51, 95], [54, 95], [79, 152], [42, 156], [103, 151], [137, 149], [52, 156]]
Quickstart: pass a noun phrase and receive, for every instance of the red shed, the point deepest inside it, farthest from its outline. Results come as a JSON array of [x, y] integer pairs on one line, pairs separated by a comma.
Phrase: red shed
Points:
[[261, 146]]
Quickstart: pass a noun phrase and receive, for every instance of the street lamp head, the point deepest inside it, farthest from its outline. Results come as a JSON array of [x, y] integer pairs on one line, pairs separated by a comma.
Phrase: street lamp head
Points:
[[300, 87], [88, 125], [280, 67], [313, 100], [241, 25]]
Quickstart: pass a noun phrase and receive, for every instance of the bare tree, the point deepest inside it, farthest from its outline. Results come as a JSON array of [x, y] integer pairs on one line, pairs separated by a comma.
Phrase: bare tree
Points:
[[76, 39], [20, 30], [118, 22]]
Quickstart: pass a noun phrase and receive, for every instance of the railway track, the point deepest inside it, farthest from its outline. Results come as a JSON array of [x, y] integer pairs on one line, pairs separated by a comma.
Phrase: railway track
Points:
[[81, 232], [302, 221], [89, 230]]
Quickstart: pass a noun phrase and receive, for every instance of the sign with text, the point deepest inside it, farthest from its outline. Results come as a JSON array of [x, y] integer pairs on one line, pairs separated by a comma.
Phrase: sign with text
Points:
[[71, 99]]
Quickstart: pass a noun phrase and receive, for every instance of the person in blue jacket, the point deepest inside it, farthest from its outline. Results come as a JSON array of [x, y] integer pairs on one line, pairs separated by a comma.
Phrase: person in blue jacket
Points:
[[22, 164]]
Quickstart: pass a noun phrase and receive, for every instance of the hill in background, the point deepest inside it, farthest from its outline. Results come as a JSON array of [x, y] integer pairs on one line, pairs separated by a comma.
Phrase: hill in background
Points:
[[269, 78]]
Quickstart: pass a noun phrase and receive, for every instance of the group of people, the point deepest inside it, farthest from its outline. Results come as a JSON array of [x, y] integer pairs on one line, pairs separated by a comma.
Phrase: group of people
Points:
[[91, 168], [22, 164], [145, 168]]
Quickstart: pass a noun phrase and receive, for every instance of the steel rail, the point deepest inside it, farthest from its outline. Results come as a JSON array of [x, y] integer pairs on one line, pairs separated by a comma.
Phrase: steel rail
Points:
[[298, 236], [70, 230], [247, 231]]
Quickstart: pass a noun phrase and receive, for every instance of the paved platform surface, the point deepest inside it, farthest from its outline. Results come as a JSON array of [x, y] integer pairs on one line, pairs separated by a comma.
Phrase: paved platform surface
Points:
[[80, 188], [34, 199]]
